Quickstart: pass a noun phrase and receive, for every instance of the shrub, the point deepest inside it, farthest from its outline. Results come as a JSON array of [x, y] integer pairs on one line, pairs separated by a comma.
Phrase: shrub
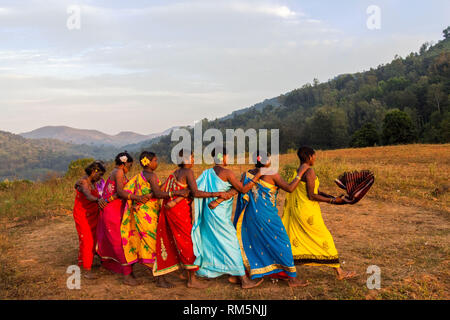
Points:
[[76, 167], [367, 136], [398, 128]]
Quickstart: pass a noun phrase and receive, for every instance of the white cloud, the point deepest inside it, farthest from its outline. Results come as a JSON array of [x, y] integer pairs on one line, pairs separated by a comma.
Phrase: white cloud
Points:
[[275, 10], [5, 11]]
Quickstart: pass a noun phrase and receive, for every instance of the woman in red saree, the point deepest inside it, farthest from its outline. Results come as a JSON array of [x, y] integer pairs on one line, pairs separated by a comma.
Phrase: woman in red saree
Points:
[[174, 248], [109, 245], [85, 214]]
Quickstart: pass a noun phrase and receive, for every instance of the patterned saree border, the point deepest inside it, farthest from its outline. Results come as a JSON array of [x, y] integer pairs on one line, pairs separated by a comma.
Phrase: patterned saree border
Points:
[[272, 267], [239, 236], [319, 260], [173, 268], [166, 270], [262, 182], [111, 258]]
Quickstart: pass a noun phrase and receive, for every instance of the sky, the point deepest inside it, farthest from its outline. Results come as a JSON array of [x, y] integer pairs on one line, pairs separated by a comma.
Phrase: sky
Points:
[[145, 66]]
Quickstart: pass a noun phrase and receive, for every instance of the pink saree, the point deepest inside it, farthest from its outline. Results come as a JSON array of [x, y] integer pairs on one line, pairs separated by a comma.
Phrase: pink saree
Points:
[[109, 241]]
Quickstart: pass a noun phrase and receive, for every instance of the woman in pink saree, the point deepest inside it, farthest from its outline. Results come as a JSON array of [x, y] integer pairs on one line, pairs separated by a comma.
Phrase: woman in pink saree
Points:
[[109, 241]]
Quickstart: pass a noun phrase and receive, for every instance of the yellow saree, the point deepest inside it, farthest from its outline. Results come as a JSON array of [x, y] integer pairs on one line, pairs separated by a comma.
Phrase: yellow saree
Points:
[[139, 222], [311, 242]]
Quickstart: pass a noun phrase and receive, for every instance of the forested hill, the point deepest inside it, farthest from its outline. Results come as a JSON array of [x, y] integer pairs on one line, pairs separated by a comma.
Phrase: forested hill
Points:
[[35, 158], [404, 101]]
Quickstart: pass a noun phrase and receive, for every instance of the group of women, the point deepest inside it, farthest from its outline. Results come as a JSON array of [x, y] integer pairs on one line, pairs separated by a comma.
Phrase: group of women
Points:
[[186, 223]]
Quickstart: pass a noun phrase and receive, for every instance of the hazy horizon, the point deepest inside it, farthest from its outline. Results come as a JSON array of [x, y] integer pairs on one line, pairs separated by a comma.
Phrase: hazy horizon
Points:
[[145, 68]]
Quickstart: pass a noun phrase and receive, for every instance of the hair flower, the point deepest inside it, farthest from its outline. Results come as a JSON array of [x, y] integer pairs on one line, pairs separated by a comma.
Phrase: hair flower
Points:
[[145, 162], [258, 158], [220, 156], [124, 159]]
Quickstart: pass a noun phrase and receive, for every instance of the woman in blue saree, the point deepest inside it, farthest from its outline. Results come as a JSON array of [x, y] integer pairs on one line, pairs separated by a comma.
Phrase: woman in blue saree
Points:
[[264, 243], [216, 246]]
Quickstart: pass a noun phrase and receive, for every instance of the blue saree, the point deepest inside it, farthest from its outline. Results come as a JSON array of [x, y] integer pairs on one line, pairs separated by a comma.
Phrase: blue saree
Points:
[[216, 246], [264, 243]]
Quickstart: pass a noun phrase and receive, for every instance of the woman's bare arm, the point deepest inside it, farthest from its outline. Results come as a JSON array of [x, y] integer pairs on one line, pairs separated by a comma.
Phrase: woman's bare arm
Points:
[[238, 185], [120, 182], [289, 187], [310, 184], [192, 183], [158, 193], [83, 187]]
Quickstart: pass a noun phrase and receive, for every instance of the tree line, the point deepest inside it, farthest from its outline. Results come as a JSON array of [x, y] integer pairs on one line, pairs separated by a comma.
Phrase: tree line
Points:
[[404, 101]]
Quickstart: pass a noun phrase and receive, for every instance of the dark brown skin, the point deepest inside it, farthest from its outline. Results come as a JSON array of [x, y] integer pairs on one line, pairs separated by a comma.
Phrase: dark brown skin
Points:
[[228, 176], [277, 180], [118, 175], [87, 183], [274, 179], [185, 175], [310, 178], [152, 178]]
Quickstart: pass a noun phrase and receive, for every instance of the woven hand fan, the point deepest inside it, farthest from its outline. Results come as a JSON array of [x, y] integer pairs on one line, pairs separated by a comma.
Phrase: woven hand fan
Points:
[[356, 184]]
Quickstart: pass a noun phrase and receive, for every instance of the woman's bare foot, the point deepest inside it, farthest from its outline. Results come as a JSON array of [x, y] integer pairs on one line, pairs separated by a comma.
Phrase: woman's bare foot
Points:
[[103, 269], [234, 280], [247, 283], [88, 274], [193, 282], [162, 282], [130, 280], [198, 284], [294, 282], [342, 275], [183, 276]]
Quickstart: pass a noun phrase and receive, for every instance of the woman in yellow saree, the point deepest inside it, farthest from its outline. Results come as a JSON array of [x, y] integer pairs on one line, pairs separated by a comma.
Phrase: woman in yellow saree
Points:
[[311, 242], [140, 220]]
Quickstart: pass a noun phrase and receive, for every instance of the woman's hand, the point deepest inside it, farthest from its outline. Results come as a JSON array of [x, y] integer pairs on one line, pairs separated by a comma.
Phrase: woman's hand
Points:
[[143, 198], [181, 193], [170, 204], [213, 204], [341, 200], [102, 203], [147, 197], [225, 195]]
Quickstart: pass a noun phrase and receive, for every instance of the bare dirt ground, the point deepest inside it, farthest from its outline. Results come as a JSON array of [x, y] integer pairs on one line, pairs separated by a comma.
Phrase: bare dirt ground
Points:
[[409, 244]]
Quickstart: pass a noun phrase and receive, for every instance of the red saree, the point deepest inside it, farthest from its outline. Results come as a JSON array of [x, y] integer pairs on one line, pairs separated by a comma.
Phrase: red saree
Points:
[[174, 248], [85, 214]]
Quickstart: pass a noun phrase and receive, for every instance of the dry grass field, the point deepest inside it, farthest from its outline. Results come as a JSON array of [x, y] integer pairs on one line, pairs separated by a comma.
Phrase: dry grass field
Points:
[[402, 226]]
